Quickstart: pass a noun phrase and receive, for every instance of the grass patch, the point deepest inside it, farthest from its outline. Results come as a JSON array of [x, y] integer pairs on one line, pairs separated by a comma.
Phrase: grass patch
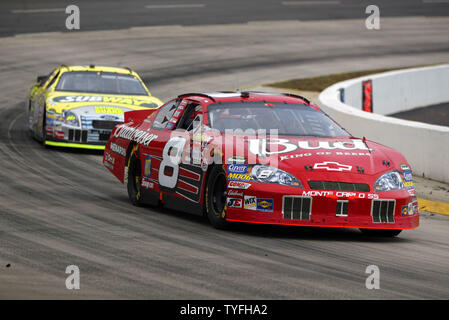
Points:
[[322, 82]]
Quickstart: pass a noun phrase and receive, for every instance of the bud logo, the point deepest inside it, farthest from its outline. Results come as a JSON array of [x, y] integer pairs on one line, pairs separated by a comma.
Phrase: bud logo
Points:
[[332, 166], [250, 202], [234, 203]]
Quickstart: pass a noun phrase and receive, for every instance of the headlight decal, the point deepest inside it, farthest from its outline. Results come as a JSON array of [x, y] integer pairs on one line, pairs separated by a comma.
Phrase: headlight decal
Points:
[[392, 180]]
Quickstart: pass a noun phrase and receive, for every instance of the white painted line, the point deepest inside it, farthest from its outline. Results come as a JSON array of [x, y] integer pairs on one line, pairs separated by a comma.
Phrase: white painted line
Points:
[[174, 6], [38, 10], [435, 1], [306, 3]]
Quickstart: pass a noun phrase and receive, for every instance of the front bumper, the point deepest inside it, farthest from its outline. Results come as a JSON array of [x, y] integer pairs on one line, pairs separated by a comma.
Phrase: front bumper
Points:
[[298, 207], [89, 136]]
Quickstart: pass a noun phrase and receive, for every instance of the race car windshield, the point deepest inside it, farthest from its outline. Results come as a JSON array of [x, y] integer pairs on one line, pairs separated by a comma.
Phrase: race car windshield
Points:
[[287, 119], [100, 82]]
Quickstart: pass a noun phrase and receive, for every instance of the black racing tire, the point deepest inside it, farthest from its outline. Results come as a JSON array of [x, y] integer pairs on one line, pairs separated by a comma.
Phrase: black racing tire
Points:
[[133, 179], [386, 233], [44, 129], [216, 191]]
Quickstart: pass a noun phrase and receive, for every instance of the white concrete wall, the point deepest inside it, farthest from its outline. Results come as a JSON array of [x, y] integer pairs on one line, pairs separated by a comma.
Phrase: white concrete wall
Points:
[[402, 90], [425, 146]]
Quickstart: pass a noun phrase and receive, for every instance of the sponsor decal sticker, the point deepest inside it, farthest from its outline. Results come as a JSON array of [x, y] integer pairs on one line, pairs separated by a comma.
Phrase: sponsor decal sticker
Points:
[[234, 203], [147, 184], [264, 147], [265, 205], [405, 167], [238, 168], [404, 211], [239, 177], [134, 134], [237, 159], [108, 110], [238, 185], [123, 100], [147, 169], [340, 194], [408, 176], [250, 202], [108, 157], [235, 193], [117, 149]]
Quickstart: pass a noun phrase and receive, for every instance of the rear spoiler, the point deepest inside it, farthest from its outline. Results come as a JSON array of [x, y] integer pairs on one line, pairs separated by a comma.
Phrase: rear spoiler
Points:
[[138, 115]]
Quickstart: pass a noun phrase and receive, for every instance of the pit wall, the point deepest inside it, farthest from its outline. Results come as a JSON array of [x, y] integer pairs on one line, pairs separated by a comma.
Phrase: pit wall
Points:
[[425, 146]]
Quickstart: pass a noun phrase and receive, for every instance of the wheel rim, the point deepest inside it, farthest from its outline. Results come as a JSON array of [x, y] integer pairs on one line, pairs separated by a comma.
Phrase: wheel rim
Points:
[[136, 178], [219, 194]]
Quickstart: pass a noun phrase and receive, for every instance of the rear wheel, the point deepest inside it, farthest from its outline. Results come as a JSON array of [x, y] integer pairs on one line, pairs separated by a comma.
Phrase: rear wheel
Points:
[[216, 198], [381, 232], [134, 179]]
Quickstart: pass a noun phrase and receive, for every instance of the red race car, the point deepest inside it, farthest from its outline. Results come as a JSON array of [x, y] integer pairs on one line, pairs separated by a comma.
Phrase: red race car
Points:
[[261, 158]]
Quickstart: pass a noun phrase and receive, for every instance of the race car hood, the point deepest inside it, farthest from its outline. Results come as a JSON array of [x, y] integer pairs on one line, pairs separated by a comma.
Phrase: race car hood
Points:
[[59, 101], [329, 158]]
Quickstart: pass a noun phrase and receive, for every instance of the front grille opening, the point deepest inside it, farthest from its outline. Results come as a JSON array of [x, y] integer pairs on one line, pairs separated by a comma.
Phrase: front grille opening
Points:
[[338, 186], [104, 124], [297, 207], [382, 210], [342, 208], [104, 136], [77, 135]]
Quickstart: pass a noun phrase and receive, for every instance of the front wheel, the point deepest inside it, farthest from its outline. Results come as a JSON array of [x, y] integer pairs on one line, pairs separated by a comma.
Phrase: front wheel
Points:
[[43, 132], [216, 191], [381, 232], [134, 179]]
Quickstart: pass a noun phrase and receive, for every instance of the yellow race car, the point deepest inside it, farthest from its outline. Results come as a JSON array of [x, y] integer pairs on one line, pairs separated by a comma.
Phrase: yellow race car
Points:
[[78, 106]]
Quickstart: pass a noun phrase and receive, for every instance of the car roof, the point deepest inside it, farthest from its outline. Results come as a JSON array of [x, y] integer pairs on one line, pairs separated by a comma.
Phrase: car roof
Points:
[[95, 68], [248, 96]]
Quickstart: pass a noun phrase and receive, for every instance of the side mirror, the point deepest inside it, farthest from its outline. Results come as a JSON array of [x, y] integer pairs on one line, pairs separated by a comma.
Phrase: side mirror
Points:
[[41, 79]]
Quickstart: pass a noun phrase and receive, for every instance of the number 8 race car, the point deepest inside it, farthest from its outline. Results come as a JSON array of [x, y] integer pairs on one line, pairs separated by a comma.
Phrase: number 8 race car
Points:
[[261, 158]]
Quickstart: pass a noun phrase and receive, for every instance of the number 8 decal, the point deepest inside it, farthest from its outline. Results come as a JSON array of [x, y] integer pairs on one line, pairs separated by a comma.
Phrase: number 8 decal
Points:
[[171, 161]]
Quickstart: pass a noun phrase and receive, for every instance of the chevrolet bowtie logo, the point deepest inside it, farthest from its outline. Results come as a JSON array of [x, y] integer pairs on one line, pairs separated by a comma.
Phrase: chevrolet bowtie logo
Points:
[[332, 166]]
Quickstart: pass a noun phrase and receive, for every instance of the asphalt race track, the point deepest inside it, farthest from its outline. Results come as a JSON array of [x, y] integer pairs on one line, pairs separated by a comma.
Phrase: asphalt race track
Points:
[[436, 114], [61, 207]]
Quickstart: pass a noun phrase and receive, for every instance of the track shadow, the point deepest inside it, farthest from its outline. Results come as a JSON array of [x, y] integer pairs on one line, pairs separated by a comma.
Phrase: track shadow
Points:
[[279, 231], [75, 150]]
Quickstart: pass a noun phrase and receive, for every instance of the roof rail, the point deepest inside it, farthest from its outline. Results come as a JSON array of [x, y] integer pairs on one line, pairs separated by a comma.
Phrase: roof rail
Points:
[[129, 69], [296, 96], [196, 94]]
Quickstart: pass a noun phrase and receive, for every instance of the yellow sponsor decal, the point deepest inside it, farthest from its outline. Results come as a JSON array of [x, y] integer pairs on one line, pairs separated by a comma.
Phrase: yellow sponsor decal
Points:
[[108, 110], [239, 177], [408, 184]]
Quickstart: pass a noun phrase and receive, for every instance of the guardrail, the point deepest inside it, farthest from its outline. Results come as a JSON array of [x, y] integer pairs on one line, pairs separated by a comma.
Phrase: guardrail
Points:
[[425, 146]]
